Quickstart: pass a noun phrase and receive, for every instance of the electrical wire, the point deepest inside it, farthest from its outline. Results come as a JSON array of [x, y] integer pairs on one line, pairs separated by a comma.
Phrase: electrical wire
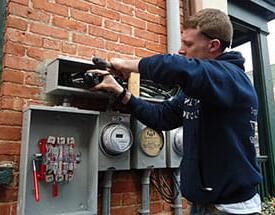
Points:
[[163, 187]]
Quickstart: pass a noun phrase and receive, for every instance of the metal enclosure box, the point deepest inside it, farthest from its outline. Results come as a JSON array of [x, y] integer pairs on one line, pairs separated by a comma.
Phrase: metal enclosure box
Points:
[[173, 156], [78, 196], [58, 72], [140, 160], [107, 161]]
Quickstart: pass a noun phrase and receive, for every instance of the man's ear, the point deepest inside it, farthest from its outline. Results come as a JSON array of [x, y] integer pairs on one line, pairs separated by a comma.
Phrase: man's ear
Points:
[[215, 45]]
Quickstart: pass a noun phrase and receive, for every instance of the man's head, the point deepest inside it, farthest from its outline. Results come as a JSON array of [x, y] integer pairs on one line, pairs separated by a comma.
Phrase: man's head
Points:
[[206, 34]]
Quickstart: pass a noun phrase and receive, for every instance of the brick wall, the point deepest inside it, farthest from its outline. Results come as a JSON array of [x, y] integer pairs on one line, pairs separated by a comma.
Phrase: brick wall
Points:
[[37, 30]]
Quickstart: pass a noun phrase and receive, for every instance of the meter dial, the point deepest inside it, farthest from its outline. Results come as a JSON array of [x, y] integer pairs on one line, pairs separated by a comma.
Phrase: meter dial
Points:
[[178, 141], [116, 139], [151, 142]]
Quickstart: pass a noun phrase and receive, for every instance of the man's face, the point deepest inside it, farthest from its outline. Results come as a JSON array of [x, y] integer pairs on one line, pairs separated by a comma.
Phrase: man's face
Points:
[[195, 44]]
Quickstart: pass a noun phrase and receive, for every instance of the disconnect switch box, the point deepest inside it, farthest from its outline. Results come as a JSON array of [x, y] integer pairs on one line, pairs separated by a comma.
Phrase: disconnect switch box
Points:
[[59, 161]]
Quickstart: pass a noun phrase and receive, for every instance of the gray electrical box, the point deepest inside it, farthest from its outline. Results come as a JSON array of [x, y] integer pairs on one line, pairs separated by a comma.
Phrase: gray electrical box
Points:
[[174, 147], [65, 131], [115, 141], [60, 73], [149, 146]]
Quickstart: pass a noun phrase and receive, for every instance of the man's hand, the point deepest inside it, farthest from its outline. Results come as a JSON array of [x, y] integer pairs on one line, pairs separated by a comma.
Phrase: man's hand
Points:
[[123, 68], [108, 83]]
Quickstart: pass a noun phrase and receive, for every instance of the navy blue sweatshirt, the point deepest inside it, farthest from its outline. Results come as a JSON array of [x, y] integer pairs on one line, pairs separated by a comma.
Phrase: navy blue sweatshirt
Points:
[[218, 111]]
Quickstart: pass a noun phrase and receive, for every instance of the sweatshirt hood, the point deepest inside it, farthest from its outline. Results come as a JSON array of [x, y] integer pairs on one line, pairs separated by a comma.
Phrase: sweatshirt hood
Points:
[[233, 57]]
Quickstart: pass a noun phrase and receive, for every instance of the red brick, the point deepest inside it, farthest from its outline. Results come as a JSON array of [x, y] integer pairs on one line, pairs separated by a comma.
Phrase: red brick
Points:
[[10, 133], [10, 89], [156, 28], [52, 44], [41, 54], [50, 7], [116, 199], [10, 118], [155, 207], [74, 4], [121, 28], [156, 10], [156, 47], [124, 210], [23, 2], [132, 21], [84, 51], [125, 49], [15, 49], [131, 2], [16, 23], [49, 31], [132, 41], [17, 9], [104, 12], [147, 16], [69, 24], [89, 41], [9, 149], [8, 194], [33, 79], [116, 5], [100, 32], [155, 2], [146, 35], [98, 2], [23, 38], [69, 48], [38, 15], [140, 4], [129, 199], [85, 17], [19, 62], [11, 103], [5, 209], [13, 76], [124, 186], [143, 52]]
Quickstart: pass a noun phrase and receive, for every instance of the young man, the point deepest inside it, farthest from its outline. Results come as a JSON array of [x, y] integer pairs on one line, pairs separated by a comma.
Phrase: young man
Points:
[[218, 112]]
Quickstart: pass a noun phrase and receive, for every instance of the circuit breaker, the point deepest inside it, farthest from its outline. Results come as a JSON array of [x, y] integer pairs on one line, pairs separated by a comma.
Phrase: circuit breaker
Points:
[[149, 147], [115, 141], [174, 147], [59, 161]]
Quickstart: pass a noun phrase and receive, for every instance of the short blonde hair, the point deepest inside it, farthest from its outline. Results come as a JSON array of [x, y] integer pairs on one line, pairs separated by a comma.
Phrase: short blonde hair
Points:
[[213, 23]]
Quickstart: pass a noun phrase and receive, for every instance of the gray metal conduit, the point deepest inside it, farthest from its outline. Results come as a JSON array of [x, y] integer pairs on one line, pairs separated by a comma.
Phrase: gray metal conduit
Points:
[[106, 194], [145, 182], [173, 45]]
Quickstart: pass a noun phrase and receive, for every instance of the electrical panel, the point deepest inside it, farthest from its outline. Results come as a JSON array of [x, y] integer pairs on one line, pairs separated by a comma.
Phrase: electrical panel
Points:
[[59, 161], [115, 141], [174, 147], [64, 75], [149, 147]]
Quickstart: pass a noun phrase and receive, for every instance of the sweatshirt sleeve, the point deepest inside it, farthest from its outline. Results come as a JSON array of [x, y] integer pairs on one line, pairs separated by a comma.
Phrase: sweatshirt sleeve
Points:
[[210, 81], [166, 115]]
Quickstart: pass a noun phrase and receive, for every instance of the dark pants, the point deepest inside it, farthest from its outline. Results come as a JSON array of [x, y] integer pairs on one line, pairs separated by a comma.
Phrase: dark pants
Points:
[[208, 210]]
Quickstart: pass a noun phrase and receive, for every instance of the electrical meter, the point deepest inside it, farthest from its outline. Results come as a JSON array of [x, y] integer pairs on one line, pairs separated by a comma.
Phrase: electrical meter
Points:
[[178, 141], [149, 148], [151, 141], [116, 139], [174, 148]]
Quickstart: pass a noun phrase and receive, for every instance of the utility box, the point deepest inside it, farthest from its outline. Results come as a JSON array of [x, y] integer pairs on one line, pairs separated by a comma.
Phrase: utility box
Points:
[[149, 146], [115, 141], [62, 73], [174, 147], [59, 161]]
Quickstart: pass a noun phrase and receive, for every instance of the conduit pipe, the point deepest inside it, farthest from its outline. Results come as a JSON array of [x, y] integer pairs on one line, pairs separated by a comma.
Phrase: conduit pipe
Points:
[[145, 182], [106, 194], [173, 45]]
